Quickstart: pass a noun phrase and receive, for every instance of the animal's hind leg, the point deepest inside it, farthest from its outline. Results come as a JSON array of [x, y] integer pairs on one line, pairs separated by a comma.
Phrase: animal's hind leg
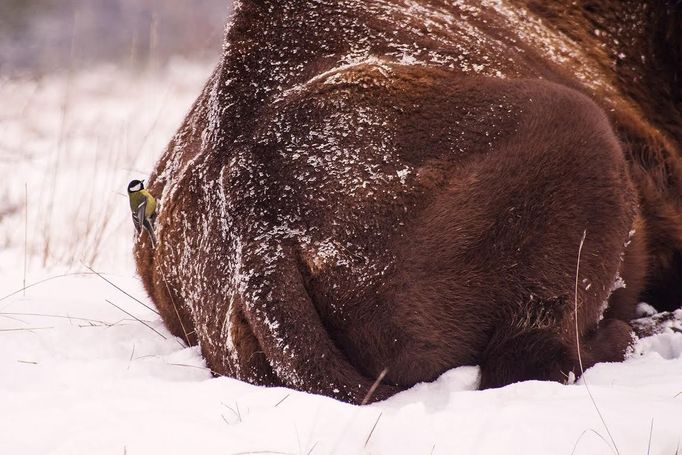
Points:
[[545, 347], [529, 345], [535, 354], [248, 362], [294, 340], [607, 343]]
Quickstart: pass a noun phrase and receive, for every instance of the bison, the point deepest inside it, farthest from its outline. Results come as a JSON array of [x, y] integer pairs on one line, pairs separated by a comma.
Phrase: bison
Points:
[[368, 193]]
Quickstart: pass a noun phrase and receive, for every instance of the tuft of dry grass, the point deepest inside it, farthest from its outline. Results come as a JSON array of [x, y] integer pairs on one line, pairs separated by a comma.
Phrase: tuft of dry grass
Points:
[[120, 289], [235, 411], [76, 138]]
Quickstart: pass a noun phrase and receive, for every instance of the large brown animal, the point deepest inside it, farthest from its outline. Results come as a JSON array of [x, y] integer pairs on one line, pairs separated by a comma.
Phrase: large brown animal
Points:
[[403, 186]]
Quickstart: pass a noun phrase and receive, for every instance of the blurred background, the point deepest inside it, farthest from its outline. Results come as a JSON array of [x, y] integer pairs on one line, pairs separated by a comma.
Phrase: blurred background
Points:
[[91, 91], [38, 36]]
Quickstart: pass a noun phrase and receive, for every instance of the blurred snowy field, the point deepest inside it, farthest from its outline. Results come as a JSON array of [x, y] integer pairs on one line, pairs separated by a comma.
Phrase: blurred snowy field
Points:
[[69, 144], [86, 369]]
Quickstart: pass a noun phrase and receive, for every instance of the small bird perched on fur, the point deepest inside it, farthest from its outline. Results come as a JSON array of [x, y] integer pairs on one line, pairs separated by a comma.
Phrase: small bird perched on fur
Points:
[[143, 205]]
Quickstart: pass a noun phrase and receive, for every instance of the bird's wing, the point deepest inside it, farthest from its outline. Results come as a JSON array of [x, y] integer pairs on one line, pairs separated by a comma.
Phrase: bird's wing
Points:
[[141, 209], [136, 222]]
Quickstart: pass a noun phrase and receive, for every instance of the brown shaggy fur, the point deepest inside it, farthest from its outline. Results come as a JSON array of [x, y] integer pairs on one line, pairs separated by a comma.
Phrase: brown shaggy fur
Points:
[[381, 184]]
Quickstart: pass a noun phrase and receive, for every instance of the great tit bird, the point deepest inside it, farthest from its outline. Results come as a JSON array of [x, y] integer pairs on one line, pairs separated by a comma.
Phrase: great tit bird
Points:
[[143, 205]]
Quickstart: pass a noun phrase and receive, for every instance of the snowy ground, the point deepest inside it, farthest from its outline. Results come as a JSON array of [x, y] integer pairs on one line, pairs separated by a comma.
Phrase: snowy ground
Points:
[[86, 369]]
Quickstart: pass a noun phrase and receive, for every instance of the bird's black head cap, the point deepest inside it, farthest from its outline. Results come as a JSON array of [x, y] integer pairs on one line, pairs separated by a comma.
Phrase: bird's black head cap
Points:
[[135, 185]]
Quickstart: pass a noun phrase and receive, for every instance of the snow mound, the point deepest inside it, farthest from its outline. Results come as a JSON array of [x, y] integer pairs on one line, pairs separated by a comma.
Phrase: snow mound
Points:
[[82, 375]]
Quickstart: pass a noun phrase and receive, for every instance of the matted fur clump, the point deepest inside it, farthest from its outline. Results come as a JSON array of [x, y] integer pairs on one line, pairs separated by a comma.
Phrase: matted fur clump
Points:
[[389, 189]]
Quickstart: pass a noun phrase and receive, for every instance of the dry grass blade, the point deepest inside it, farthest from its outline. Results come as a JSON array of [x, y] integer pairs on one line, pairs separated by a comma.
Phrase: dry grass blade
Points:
[[132, 354], [215, 373], [373, 389], [651, 432], [137, 319], [120, 289], [312, 448], [282, 400], [12, 318], [590, 430], [350, 421], [262, 452], [63, 275], [25, 235], [25, 329], [236, 413], [170, 295], [577, 343], [175, 308], [373, 428], [56, 316]]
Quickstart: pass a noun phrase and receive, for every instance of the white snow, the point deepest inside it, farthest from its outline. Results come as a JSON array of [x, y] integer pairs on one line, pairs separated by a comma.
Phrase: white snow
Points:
[[98, 381], [80, 376]]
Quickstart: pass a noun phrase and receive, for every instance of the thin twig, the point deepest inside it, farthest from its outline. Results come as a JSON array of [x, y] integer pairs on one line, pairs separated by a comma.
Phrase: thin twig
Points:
[[373, 428], [577, 342], [119, 288]]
